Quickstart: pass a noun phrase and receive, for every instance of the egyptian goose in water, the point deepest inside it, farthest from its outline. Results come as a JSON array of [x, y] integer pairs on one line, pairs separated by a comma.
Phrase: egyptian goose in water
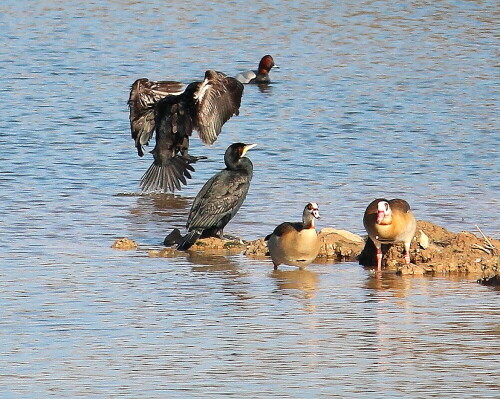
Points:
[[388, 222], [295, 244], [221, 196], [259, 76], [157, 106]]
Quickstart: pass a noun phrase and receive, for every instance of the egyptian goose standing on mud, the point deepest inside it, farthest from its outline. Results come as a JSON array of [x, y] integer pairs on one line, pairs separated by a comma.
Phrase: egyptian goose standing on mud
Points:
[[295, 244], [387, 222]]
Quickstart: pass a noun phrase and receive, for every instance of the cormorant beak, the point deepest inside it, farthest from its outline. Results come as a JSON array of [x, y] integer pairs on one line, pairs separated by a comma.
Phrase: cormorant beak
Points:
[[246, 148]]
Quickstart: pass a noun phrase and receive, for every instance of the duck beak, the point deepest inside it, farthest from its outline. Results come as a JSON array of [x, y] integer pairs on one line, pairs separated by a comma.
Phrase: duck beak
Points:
[[380, 216], [246, 148]]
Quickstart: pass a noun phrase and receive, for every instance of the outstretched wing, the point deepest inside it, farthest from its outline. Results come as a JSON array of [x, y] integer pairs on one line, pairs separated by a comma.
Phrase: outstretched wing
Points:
[[220, 197], [217, 99], [144, 94]]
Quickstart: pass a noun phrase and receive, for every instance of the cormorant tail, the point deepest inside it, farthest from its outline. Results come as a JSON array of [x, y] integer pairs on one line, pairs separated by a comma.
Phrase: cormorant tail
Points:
[[175, 237], [167, 175], [188, 240]]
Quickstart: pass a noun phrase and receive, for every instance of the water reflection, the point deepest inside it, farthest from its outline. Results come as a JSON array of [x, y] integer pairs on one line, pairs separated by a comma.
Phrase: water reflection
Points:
[[302, 283], [265, 88], [166, 205], [214, 264], [378, 282], [219, 266]]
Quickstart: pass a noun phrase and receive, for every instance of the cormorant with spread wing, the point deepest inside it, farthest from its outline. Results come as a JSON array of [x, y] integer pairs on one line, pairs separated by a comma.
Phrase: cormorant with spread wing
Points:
[[156, 106]]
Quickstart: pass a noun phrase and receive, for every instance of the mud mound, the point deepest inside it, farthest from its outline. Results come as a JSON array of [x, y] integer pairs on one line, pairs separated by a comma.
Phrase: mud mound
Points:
[[124, 243]]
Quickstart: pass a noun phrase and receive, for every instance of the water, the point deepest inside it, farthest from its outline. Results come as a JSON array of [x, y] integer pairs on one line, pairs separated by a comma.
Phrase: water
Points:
[[372, 99]]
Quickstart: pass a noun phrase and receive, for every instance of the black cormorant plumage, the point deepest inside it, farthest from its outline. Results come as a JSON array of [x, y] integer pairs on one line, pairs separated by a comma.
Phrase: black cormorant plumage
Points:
[[203, 106], [221, 196], [144, 94]]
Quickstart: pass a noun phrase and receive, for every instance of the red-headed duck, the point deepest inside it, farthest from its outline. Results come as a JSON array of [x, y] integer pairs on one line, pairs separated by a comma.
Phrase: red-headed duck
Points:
[[295, 244], [389, 222], [221, 197], [203, 106], [261, 75]]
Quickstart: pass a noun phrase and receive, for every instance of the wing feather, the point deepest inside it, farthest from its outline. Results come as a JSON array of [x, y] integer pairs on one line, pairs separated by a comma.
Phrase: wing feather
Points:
[[144, 94], [217, 99], [221, 195]]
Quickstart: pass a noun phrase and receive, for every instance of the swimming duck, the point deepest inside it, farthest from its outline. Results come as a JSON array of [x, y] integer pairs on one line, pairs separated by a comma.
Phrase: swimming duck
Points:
[[295, 244], [389, 222], [221, 196], [203, 106], [261, 75]]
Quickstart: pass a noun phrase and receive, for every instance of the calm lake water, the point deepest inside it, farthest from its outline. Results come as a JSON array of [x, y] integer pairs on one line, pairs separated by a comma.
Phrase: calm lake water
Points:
[[372, 99]]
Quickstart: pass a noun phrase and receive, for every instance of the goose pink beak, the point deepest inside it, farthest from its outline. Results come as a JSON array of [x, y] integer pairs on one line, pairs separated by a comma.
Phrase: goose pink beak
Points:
[[380, 216]]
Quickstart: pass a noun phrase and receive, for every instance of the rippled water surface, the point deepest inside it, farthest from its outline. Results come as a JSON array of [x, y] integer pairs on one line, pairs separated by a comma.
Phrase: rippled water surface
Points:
[[372, 99]]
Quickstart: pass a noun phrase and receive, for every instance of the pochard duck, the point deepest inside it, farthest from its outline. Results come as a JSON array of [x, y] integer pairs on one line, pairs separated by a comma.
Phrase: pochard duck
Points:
[[295, 243], [221, 197], [202, 106], [388, 222], [261, 75]]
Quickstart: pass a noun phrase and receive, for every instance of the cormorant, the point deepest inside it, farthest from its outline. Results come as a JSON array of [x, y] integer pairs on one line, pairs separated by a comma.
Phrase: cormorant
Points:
[[261, 75], [203, 106], [295, 244], [221, 196], [144, 94], [388, 222]]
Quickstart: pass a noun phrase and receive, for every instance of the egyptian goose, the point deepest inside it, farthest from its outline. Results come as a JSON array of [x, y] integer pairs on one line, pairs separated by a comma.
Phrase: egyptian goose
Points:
[[389, 222], [221, 196], [295, 244], [203, 106], [259, 76]]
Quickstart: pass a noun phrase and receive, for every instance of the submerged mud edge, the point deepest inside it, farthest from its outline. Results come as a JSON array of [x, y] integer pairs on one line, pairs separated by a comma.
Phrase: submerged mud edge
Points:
[[434, 250]]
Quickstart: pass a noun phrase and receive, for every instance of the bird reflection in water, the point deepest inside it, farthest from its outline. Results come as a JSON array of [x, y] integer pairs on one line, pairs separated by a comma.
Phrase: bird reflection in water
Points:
[[160, 204], [398, 286], [265, 88], [211, 263], [221, 266], [298, 282]]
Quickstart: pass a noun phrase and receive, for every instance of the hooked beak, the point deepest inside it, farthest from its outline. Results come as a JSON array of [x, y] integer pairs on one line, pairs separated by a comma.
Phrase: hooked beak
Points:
[[246, 148]]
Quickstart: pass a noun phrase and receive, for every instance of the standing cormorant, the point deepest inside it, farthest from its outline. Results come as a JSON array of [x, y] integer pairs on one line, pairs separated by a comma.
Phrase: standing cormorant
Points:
[[220, 197], [388, 222], [295, 244], [261, 75], [203, 106]]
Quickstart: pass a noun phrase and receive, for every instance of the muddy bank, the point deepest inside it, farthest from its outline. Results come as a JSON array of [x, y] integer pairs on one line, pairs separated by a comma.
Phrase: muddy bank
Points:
[[434, 250]]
